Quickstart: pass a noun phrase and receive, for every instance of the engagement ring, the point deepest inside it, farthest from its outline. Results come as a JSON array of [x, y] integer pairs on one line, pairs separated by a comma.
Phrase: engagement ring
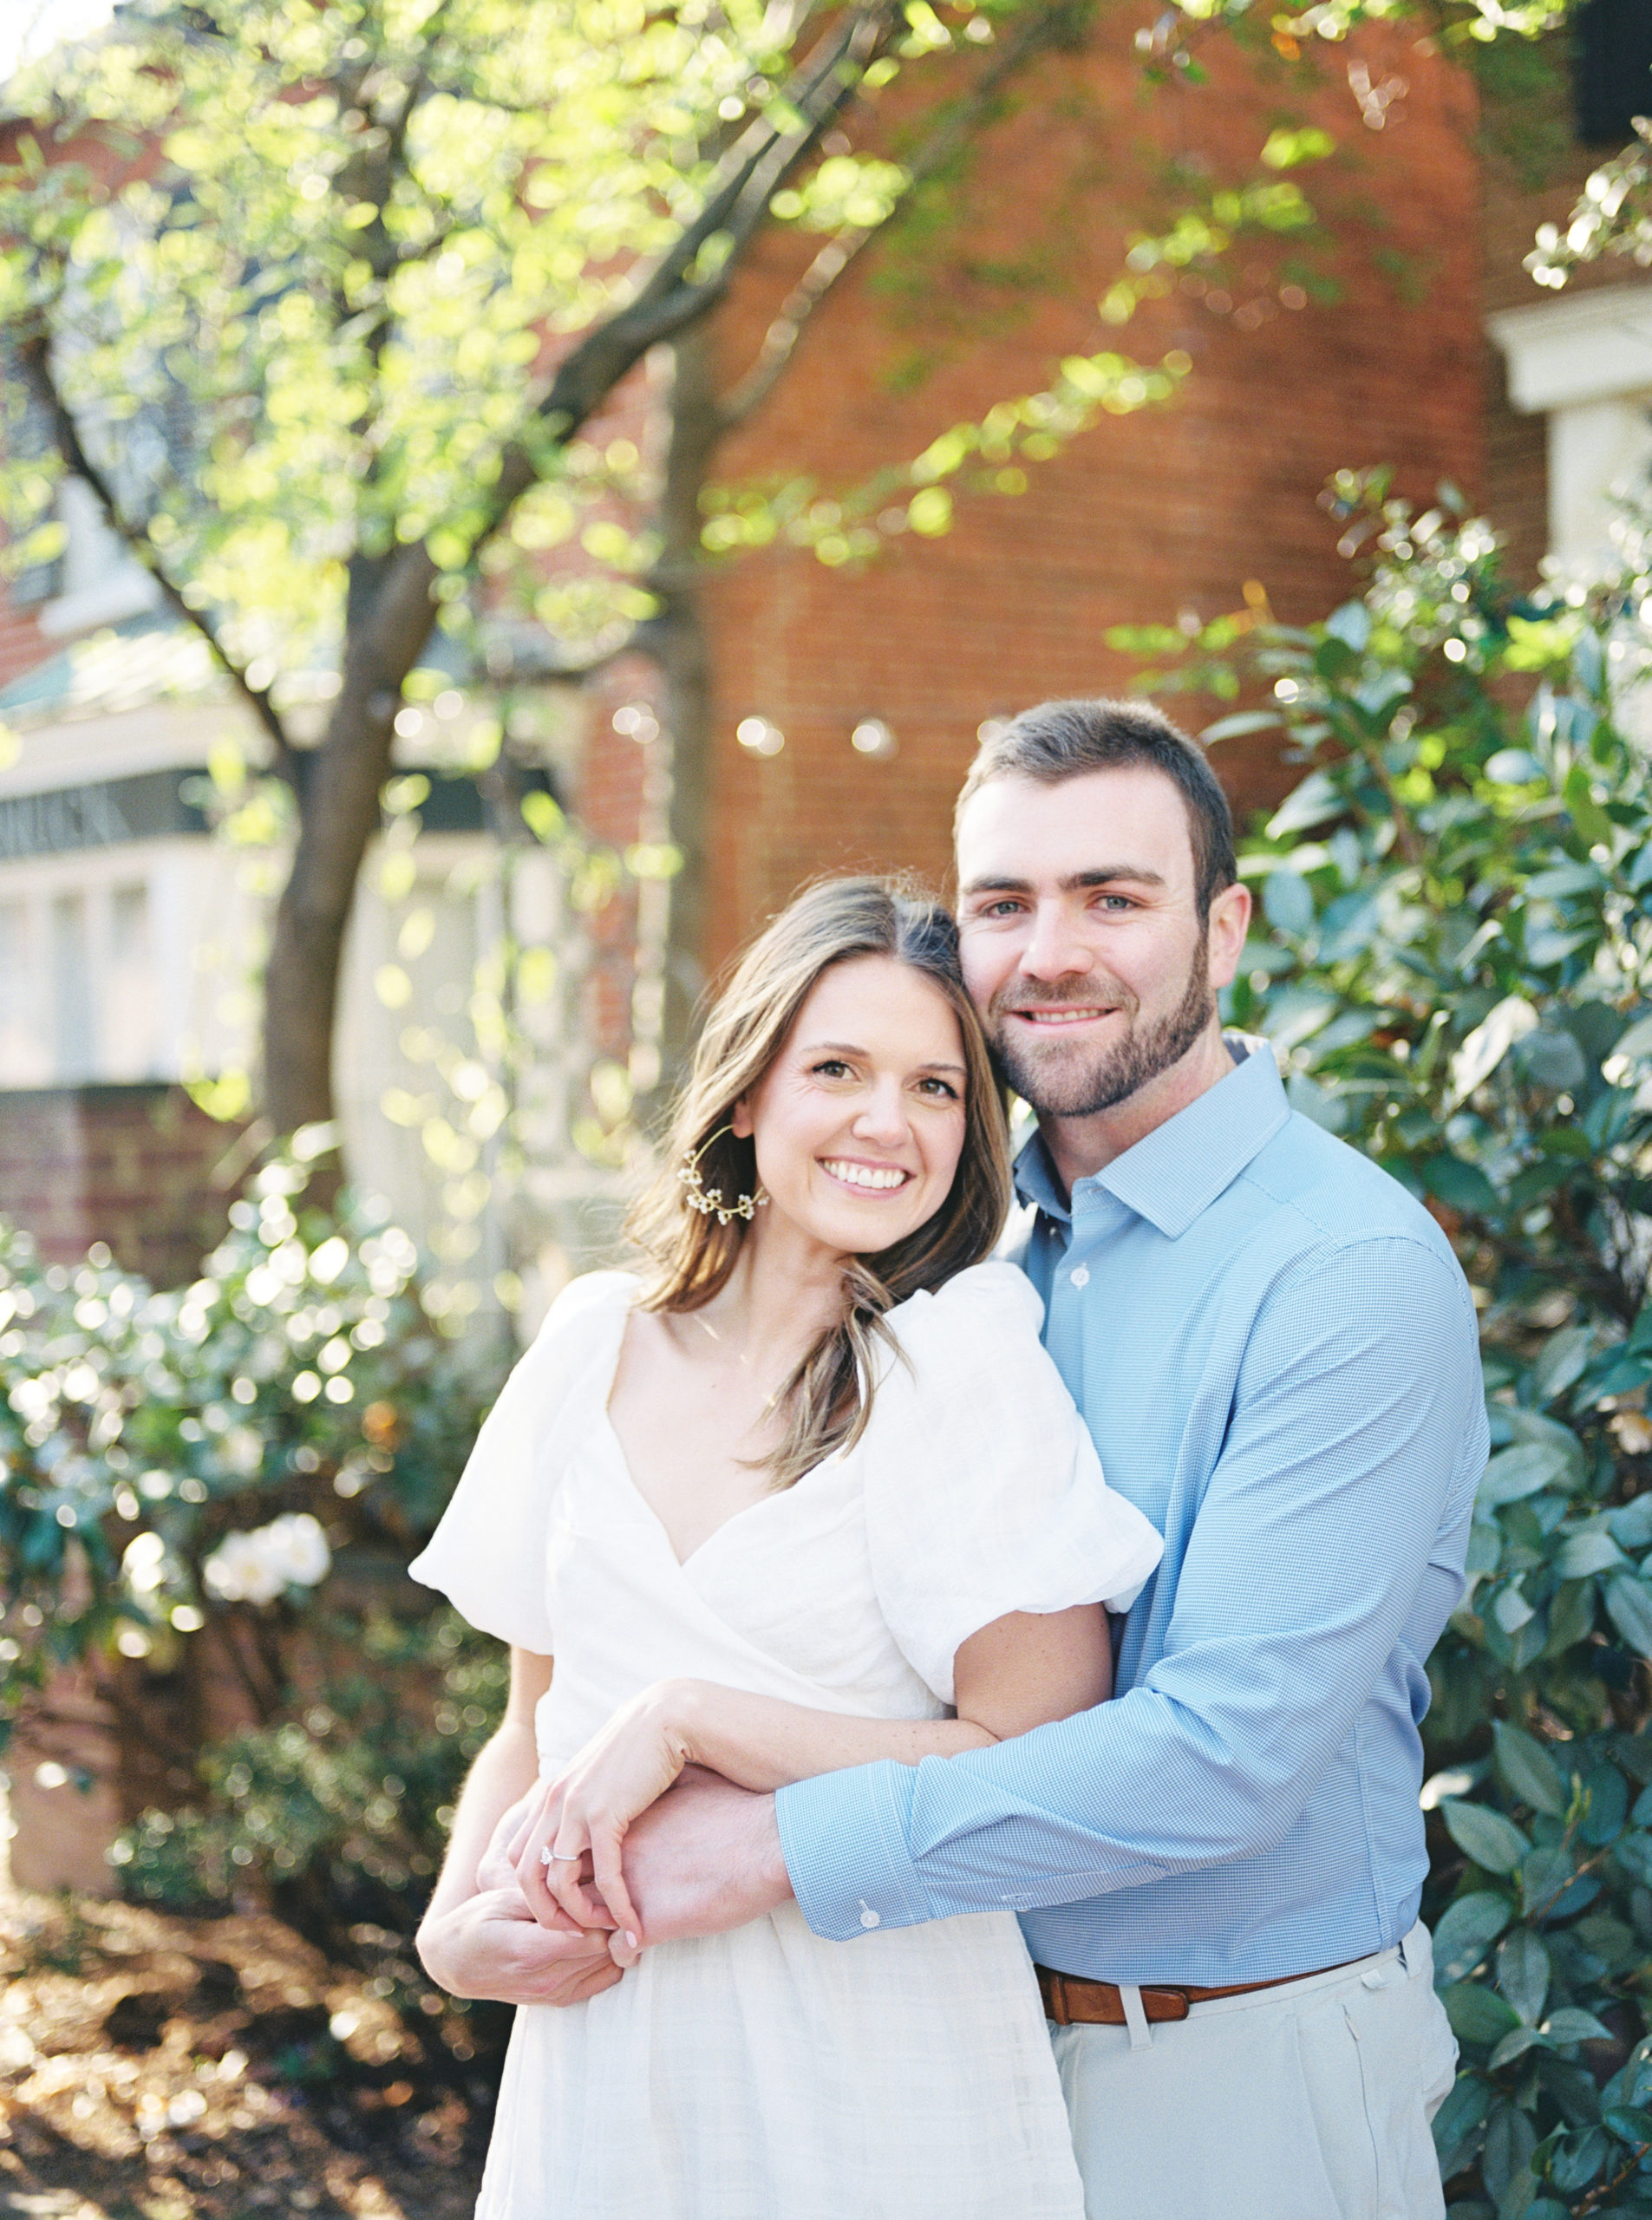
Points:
[[548, 1856]]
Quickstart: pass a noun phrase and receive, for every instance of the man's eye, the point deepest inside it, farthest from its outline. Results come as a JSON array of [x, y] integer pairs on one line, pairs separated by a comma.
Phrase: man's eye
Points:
[[1116, 903], [1004, 908]]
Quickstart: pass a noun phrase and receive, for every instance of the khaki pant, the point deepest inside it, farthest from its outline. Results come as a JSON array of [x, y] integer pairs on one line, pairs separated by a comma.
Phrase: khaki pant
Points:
[[1310, 2101]]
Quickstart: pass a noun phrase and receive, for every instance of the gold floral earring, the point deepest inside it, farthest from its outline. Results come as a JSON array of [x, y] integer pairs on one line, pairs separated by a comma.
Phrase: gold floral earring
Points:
[[708, 1200]]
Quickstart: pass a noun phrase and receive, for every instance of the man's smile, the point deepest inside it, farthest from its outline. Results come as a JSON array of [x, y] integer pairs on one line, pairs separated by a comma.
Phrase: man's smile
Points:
[[1063, 1014]]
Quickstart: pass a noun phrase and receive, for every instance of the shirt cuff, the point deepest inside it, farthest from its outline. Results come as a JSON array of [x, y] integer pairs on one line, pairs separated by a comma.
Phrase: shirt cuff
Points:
[[844, 1836]]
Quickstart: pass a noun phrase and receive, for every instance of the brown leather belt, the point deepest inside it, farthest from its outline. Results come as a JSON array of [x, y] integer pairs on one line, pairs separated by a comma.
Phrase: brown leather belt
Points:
[[1071, 2001]]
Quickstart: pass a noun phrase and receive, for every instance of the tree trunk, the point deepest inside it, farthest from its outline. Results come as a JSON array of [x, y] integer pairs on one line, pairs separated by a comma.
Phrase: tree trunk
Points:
[[389, 620], [678, 645]]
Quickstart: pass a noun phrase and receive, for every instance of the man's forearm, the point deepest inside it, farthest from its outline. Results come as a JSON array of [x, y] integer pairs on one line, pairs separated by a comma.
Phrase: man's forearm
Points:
[[705, 1858]]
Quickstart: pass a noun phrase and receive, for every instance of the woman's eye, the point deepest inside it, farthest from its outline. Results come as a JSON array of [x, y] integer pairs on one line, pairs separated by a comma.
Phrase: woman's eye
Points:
[[833, 1068], [940, 1089]]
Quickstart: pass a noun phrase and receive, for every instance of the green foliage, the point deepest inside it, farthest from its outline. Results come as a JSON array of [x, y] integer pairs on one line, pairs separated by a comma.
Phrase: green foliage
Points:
[[1453, 960], [145, 1438], [326, 303], [339, 1812], [1526, 107]]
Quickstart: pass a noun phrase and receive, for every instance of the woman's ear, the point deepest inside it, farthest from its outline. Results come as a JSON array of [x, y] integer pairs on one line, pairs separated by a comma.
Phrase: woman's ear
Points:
[[740, 1119]]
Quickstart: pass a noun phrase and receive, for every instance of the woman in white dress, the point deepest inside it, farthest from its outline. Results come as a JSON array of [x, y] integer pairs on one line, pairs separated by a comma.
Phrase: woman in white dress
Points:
[[805, 1492]]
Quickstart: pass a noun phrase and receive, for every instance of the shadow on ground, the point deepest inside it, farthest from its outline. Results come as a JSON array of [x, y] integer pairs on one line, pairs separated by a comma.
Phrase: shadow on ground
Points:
[[162, 2068]]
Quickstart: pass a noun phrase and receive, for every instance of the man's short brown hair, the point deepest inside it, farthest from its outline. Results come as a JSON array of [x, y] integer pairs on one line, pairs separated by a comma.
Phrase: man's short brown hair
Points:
[[1058, 741]]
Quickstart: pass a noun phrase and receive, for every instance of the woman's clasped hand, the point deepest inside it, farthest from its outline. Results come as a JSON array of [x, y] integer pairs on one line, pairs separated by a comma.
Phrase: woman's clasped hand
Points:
[[567, 1849]]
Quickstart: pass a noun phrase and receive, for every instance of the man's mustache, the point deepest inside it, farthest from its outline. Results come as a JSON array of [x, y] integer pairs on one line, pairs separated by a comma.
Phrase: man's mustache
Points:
[[1105, 994]]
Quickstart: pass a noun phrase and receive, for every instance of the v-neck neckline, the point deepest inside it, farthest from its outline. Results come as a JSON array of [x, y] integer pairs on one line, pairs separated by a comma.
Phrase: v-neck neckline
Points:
[[624, 1463]]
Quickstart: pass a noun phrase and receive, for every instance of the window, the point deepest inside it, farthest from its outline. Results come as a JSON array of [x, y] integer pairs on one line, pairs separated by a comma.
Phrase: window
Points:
[[74, 1010], [1612, 67]]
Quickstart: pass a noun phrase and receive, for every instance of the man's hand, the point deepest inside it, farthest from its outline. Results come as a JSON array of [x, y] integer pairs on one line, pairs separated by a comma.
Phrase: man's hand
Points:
[[706, 1857], [491, 1945]]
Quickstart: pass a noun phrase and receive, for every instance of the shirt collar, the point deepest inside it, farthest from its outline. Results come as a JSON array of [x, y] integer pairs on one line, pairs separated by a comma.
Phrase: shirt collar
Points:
[[1178, 1170]]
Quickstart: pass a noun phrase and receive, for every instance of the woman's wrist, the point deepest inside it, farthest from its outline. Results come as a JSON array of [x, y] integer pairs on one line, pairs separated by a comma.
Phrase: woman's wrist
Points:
[[686, 1712]]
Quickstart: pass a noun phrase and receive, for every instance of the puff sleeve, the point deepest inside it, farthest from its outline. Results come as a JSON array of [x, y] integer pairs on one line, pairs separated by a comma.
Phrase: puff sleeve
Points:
[[983, 1491], [489, 1555]]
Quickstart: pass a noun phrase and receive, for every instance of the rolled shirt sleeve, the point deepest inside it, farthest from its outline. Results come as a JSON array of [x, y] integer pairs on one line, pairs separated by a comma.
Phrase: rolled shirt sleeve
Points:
[[1331, 1524]]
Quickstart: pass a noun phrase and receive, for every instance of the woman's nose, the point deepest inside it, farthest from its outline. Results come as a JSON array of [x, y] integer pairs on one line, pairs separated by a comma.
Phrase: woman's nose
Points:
[[882, 1117]]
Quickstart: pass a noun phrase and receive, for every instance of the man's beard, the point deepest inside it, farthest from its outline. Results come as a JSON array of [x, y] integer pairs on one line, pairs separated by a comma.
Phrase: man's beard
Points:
[[1076, 1086]]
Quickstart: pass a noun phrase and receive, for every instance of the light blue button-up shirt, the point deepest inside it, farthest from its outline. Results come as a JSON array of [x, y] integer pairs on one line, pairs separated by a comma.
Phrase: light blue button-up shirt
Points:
[[1275, 1352]]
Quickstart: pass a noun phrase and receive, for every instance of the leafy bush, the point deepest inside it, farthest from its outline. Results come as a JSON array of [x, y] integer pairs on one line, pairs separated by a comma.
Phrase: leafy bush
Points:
[[139, 1431], [216, 1491], [340, 1810], [1453, 960]]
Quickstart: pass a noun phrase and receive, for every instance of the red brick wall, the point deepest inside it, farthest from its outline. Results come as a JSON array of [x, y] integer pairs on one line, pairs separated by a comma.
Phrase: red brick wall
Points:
[[22, 643], [132, 1166], [1143, 517]]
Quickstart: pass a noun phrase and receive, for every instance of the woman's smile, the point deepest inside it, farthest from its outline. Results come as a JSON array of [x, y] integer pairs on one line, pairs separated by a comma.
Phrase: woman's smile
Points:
[[865, 1178]]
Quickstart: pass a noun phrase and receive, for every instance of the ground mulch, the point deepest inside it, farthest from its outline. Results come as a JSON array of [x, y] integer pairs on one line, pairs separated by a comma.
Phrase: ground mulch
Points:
[[162, 2068]]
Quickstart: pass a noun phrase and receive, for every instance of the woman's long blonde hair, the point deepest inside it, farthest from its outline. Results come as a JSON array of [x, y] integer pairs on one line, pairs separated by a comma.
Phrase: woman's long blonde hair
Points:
[[827, 1399]]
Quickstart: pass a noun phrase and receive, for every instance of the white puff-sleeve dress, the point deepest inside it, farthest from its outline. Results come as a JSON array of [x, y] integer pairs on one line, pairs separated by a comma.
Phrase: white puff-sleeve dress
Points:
[[767, 2075]]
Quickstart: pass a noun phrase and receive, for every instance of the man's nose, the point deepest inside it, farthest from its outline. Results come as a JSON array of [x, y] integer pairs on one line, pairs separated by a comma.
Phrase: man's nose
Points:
[[1054, 947]]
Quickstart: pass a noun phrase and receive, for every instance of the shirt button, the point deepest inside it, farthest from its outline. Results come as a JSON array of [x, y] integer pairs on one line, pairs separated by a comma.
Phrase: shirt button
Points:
[[869, 1917], [1080, 1276]]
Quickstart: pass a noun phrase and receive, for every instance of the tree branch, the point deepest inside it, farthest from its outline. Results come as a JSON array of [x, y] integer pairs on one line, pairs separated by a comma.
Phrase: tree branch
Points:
[[504, 669], [1054, 27], [33, 356], [671, 296]]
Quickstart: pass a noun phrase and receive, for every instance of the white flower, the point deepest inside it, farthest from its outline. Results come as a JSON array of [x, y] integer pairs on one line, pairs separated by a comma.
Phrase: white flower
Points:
[[145, 1563], [290, 1552]]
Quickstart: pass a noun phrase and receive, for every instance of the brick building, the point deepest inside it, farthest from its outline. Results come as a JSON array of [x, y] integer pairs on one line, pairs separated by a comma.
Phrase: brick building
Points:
[[1174, 509]]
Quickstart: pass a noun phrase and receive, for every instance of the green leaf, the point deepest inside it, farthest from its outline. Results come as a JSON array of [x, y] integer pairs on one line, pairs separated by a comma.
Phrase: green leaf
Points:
[[1478, 2015], [1523, 1973], [1561, 1361], [1631, 1527], [1510, 2140], [1545, 1875], [1633, 1853], [1492, 1842], [1350, 624], [1317, 799], [1460, 2123], [1528, 1771], [1570, 2024], [1636, 1043], [1513, 1474], [1513, 2044], [1462, 1186], [1551, 1060], [1579, 2158], [1588, 661], [1467, 1930], [1245, 720], [1585, 811], [1581, 1555], [1288, 903], [1628, 1604], [1629, 2122]]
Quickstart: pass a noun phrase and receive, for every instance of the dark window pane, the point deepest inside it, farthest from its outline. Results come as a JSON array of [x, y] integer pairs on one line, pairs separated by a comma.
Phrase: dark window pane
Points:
[[1613, 68]]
